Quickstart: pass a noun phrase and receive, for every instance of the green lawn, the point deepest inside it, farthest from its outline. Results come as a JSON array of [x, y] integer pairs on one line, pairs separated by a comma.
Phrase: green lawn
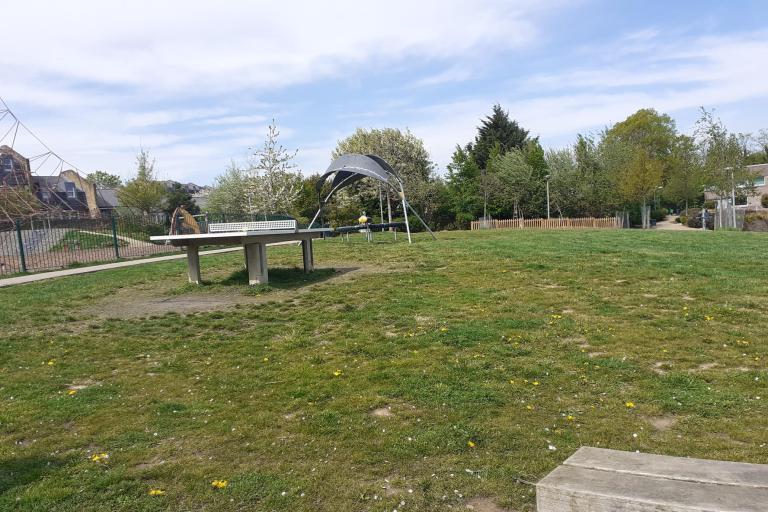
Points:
[[434, 374], [75, 239]]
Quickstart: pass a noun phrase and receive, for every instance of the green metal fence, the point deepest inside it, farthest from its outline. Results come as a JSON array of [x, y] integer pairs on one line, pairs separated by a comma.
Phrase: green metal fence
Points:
[[55, 243]]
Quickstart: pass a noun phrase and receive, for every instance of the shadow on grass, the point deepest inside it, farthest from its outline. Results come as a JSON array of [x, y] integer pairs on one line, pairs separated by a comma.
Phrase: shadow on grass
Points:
[[281, 278], [22, 471]]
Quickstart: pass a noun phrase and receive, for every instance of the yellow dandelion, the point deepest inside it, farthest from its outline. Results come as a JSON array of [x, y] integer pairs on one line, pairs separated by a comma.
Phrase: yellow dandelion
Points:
[[99, 457], [156, 492], [337, 373], [470, 444], [535, 383], [51, 362], [629, 405], [708, 318], [443, 329], [72, 392], [570, 418], [219, 484], [529, 407], [511, 381]]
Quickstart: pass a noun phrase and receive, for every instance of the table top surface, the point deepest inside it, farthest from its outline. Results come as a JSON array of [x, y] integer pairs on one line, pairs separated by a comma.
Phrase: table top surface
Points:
[[241, 234]]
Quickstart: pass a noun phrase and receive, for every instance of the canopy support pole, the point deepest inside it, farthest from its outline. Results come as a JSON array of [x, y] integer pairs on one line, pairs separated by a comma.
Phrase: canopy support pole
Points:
[[405, 211], [422, 221], [381, 207]]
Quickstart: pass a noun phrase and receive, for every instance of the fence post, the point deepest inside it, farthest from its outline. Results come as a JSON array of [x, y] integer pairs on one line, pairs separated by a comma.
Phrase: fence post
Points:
[[115, 242], [22, 257]]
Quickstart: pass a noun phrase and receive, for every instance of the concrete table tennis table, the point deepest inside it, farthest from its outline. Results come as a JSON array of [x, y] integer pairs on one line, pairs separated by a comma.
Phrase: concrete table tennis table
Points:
[[254, 243]]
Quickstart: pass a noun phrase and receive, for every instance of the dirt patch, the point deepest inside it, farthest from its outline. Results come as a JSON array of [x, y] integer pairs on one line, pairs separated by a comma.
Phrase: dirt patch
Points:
[[662, 423], [703, 367], [484, 505], [382, 412], [149, 464], [153, 300], [83, 384], [662, 367]]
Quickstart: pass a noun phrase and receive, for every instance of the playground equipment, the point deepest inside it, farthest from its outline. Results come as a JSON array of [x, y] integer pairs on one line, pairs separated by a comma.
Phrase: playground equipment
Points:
[[366, 227], [350, 168]]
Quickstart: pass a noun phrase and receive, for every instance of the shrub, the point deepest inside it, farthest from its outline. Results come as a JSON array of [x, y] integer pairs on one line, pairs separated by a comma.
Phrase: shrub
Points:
[[764, 201], [756, 221], [694, 219], [683, 219], [658, 214]]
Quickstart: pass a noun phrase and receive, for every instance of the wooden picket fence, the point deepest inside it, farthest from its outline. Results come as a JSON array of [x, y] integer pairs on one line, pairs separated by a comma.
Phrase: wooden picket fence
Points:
[[554, 223]]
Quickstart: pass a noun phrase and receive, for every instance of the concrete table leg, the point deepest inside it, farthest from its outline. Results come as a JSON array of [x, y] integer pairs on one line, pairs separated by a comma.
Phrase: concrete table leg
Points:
[[309, 259], [256, 262], [193, 264]]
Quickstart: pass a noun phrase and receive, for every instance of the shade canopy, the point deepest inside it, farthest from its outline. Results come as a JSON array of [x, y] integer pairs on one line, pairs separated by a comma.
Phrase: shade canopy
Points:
[[350, 168]]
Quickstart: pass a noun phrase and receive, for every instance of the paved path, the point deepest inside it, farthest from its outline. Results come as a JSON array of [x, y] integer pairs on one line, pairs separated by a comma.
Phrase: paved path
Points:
[[31, 278], [669, 224]]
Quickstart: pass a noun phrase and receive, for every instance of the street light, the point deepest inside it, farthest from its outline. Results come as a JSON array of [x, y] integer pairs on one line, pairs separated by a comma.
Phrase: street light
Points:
[[547, 179]]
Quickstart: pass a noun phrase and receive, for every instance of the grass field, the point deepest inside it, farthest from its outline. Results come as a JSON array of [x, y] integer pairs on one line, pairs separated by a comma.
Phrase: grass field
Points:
[[413, 378]]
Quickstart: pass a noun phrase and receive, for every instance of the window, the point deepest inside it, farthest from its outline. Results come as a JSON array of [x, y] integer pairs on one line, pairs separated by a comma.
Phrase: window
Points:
[[71, 190], [760, 181], [46, 195]]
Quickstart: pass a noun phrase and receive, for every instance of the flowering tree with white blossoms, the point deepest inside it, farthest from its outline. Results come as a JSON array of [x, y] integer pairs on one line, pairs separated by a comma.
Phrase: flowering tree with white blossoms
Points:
[[273, 182]]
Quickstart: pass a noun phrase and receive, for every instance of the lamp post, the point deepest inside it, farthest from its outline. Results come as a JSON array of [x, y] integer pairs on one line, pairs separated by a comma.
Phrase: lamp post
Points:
[[547, 180]]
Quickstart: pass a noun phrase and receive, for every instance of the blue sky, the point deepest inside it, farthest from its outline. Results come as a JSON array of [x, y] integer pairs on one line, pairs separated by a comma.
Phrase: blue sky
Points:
[[197, 83]]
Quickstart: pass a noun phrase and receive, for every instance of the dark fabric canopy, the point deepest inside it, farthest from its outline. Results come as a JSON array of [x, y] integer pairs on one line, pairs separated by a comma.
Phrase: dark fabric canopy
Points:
[[350, 168]]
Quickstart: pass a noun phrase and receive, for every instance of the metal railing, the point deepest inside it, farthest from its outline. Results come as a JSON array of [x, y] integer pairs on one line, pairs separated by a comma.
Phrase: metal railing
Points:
[[54, 243]]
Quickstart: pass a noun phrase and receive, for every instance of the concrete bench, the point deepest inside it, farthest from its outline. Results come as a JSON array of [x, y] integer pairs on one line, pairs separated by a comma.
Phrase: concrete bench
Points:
[[264, 225], [600, 480]]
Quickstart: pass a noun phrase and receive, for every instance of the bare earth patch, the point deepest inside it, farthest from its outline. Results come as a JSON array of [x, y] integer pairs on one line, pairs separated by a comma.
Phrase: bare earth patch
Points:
[[382, 412], [704, 367], [484, 505], [663, 423], [154, 300], [83, 384]]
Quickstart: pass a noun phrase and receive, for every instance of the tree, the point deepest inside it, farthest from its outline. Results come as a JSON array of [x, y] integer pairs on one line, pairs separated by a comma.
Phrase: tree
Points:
[[535, 202], [408, 157], [685, 181], [723, 157], [229, 192], [759, 154], [495, 129], [565, 186], [463, 189], [176, 197], [596, 183], [143, 192], [104, 179], [513, 177], [273, 184], [648, 130]]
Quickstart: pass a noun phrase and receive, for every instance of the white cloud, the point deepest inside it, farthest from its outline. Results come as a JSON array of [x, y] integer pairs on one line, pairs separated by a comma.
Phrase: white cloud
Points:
[[177, 46]]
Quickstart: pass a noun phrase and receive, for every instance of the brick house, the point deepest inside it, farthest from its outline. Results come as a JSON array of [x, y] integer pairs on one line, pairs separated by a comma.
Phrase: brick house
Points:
[[67, 192], [761, 187]]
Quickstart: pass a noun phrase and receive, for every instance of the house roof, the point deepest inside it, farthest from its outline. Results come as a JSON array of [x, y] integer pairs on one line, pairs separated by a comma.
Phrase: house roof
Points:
[[106, 197], [761, 169]]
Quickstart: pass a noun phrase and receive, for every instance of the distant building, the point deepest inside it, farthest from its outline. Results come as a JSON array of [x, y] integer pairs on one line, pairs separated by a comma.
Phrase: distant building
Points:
[[14, 168], [67, 192], [761, 187]]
